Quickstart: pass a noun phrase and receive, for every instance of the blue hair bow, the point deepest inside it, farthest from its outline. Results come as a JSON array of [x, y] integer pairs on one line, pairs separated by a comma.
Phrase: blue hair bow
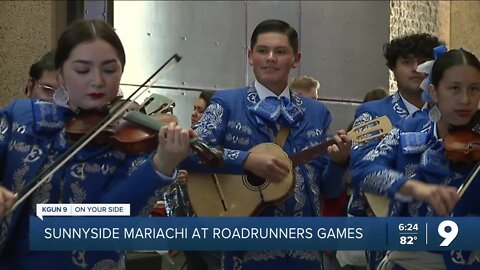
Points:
[[427, 68]]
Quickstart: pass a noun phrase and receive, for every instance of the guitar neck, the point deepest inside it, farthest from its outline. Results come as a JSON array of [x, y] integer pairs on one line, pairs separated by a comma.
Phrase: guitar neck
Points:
[[308, 154]]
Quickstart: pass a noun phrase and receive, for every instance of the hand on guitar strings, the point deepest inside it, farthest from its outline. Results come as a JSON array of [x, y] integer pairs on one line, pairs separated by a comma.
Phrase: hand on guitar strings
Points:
[[6, 201], [267, 166], [340, 151]]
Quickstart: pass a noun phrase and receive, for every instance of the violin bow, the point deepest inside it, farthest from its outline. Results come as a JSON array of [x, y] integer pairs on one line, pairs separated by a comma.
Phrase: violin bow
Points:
[[48, 172], [461, 190]]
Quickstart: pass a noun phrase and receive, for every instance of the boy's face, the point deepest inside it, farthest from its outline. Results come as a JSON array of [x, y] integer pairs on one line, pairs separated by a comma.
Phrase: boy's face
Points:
[[43, 88], [272, 58], [406, 75]]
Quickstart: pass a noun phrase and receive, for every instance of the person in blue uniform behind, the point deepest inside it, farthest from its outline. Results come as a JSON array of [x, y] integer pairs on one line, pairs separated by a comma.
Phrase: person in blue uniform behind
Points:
[[90, 60], [430, 186], [239, 119], [403, 55]]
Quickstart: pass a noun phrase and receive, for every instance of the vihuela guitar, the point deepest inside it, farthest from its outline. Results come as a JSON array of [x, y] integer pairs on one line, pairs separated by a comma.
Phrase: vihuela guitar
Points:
[[247, 194]]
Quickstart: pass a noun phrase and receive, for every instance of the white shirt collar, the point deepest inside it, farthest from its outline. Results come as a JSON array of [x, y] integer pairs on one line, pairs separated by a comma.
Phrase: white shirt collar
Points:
[[264, 92], [410, 107]]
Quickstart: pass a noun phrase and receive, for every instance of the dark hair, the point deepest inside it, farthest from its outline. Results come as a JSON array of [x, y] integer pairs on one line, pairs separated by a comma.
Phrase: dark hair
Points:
[[206, 95], [87, 30], [377, 93], [275, 26], [418, 45], [451, 58], [46, 63]]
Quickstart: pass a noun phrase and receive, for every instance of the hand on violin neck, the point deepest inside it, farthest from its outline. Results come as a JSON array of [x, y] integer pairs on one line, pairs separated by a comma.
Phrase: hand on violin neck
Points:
[[173, 147]]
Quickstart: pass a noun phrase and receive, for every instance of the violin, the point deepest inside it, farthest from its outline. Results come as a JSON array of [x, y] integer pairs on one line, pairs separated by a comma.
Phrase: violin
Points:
[[46, 174], [136, 132], [462, 144], [124, 135]]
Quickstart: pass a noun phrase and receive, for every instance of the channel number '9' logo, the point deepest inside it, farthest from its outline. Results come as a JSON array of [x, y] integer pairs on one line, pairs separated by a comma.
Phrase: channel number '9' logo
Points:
[[448, 235]]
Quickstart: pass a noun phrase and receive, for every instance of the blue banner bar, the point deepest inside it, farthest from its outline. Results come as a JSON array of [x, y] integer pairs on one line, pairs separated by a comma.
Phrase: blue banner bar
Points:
[[253, 233]]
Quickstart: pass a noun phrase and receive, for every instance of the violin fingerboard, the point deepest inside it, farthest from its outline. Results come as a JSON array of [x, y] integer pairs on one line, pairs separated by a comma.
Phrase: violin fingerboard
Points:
[[143, 120]]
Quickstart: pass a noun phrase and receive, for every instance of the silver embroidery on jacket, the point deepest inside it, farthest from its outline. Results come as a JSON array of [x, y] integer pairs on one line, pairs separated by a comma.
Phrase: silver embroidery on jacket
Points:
[[212, 118], [107, 265], [231, 154], [135, 164], [457, 257], [306, 255], [380, 182], [362, 118], [385, 144], [79, 194], [41, 195], [396, 106], [3, 127], [34, 154], [78, 259], [263, 256], [239, 127], [19, 146], [299, 195]]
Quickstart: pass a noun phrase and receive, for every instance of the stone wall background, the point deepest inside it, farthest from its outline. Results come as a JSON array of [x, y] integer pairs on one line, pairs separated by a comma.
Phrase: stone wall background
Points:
[[26, 33]]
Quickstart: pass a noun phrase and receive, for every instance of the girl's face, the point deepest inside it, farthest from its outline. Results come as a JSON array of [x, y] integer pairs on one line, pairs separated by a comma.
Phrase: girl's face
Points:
[[91, 74], [458, 94]]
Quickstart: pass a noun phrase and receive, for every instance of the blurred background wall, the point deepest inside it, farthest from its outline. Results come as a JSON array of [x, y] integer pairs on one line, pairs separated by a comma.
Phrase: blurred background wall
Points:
[[341, 41]]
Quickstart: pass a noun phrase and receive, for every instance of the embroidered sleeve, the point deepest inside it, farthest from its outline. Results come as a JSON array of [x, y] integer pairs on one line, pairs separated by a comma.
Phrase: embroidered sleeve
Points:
[[376, 171], [211, 129], [359, 150]]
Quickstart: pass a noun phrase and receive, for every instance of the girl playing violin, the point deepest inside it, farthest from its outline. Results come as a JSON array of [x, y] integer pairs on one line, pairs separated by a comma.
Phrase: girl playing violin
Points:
[[429, 185], [90, 60]]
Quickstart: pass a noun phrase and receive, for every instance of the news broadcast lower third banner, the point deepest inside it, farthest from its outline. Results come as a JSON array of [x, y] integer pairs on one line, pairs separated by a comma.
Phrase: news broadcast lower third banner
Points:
[[68, 231]]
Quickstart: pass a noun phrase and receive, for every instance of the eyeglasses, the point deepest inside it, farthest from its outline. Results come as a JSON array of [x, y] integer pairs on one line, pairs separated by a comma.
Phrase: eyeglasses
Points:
[[45, 87]]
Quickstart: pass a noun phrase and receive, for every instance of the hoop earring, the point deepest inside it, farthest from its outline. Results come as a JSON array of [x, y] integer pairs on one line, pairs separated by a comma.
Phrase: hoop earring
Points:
[[434, 114], [61, 97]]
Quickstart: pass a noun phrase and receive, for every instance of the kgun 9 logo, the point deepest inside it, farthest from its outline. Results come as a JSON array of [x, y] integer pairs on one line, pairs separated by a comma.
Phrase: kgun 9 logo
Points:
[[448, 234]]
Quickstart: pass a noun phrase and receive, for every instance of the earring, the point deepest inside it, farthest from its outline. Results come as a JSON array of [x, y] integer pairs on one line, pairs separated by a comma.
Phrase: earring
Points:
[[434, 114], [61, 97]]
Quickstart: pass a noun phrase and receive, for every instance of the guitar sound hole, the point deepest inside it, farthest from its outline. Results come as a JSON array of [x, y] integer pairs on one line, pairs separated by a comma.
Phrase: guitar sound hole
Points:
[[254, 182]]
